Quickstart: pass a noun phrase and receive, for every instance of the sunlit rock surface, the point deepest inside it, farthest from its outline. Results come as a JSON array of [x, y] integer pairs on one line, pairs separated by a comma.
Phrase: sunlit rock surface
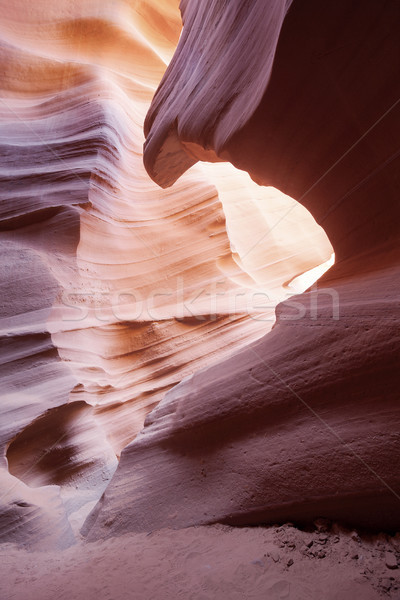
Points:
[[113, 290], [304, 422]]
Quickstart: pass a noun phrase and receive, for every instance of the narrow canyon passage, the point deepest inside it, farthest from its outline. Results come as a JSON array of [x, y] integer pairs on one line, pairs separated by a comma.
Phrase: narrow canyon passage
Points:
[[146, 286], [176, 177]]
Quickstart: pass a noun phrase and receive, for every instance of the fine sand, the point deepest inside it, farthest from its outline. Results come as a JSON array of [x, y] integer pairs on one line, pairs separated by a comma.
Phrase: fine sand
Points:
[[210, 563]]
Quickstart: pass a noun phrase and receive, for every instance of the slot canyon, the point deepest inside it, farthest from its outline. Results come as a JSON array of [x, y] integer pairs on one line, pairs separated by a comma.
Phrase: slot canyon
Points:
[[200, 306]]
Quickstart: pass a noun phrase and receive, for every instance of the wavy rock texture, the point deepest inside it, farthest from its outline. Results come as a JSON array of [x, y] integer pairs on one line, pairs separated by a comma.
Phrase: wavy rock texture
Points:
[[304, 422], [113, 289]]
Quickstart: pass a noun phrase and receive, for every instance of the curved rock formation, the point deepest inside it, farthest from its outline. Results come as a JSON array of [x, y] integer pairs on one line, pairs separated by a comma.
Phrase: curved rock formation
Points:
[[114, 290], [304, 422]]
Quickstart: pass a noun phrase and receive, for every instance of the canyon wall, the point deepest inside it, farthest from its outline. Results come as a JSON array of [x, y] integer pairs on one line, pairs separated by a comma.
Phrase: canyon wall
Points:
[[113, 290], [304, 422]]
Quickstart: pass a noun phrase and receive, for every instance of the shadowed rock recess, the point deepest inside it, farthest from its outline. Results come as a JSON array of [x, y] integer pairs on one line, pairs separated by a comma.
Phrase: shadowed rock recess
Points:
[[304, 422]]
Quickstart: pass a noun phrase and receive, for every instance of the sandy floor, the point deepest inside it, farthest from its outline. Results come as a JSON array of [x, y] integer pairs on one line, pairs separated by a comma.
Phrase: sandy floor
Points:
[[209, 563]]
